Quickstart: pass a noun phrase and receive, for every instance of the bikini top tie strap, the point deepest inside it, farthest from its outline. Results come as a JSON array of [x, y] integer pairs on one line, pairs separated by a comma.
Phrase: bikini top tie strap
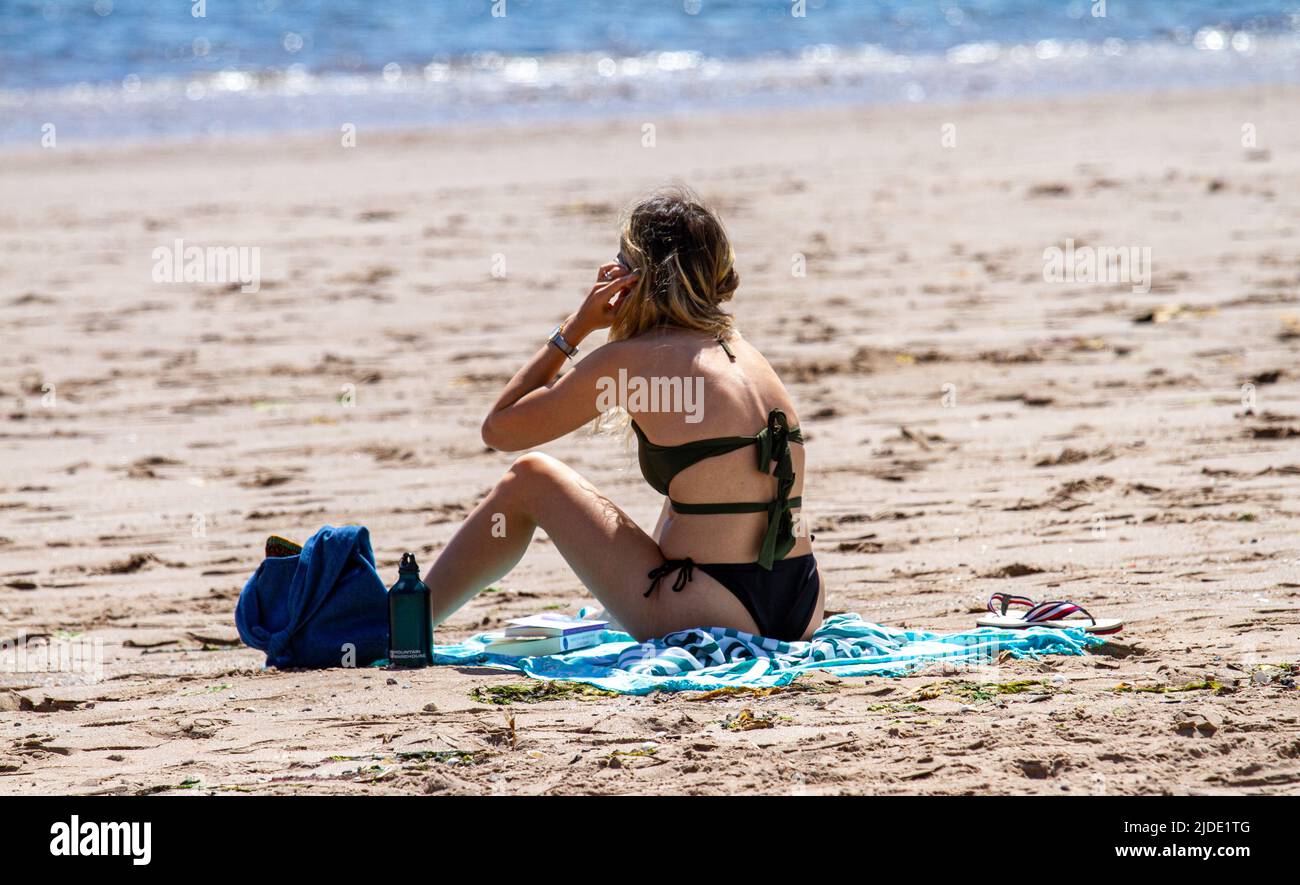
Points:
[[773, 444]]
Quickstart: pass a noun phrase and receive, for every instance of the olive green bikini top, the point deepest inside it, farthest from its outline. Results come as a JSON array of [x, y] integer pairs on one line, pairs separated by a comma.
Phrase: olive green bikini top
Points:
[[659, 464]]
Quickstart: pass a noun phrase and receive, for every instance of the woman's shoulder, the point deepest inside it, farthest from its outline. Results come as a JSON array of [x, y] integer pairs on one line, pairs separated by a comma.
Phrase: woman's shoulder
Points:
[[678, 350], [620, 352], [648, 345]]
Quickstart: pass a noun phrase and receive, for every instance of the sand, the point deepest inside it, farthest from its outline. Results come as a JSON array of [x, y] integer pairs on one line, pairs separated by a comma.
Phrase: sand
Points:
[[972, 427]]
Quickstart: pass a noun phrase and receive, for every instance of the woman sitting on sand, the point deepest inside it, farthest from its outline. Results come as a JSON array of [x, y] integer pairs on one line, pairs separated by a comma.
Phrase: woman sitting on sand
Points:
[[731, 470]]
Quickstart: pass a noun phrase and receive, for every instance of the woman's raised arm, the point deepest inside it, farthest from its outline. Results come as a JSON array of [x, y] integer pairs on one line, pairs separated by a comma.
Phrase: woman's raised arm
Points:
[[535, 407]]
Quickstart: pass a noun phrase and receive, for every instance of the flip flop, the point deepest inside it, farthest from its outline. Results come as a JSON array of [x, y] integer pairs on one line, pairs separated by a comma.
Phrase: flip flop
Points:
[[1056, 614]]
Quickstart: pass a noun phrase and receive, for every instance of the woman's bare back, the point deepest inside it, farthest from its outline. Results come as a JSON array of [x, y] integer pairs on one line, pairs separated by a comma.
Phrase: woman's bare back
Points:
[[729, 399]]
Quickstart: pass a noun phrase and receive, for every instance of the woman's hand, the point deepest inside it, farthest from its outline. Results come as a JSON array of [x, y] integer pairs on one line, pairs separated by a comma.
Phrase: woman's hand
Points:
[[597, 311]]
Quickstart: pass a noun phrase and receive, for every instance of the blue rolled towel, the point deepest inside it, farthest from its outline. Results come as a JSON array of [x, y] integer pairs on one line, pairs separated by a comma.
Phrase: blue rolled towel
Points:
[[325, 607]]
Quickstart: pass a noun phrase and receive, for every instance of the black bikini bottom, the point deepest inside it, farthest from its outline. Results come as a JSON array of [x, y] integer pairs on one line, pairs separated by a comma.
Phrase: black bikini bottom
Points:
[[780, 601]]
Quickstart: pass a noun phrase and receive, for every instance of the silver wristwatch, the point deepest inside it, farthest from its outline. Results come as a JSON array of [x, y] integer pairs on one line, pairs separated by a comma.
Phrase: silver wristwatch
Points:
[[557, 338]]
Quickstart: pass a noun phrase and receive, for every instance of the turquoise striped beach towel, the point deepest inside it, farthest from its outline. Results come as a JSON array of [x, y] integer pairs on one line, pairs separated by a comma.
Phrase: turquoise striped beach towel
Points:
[[706, 659]]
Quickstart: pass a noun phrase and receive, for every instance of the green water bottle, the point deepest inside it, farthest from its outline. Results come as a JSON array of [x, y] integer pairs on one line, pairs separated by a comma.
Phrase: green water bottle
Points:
[[410, 621]]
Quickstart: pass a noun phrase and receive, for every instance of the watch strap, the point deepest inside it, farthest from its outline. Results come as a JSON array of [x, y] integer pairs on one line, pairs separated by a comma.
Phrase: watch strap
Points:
[[557, 338]]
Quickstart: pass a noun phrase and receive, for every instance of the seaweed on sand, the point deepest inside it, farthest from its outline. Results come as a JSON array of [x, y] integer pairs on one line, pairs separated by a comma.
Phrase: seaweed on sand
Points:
[[535, 692]]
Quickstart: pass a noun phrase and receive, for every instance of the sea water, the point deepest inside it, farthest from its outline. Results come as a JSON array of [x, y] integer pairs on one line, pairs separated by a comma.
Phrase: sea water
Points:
[[143, 68]]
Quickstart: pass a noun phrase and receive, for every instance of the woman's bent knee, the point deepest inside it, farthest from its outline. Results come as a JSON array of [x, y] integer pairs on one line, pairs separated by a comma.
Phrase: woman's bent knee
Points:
[[535, 465], [530, 474]]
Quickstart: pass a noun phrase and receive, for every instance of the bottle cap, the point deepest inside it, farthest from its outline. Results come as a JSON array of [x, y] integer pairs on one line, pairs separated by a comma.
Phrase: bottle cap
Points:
[[408, 563]]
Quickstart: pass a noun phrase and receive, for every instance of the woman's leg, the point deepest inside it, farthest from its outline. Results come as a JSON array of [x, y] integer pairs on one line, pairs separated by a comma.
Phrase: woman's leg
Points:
[[607, 550]]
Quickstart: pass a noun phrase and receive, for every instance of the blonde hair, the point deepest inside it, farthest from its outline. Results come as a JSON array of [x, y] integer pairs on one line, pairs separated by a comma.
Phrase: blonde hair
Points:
[[686, 264], [687, 272]]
